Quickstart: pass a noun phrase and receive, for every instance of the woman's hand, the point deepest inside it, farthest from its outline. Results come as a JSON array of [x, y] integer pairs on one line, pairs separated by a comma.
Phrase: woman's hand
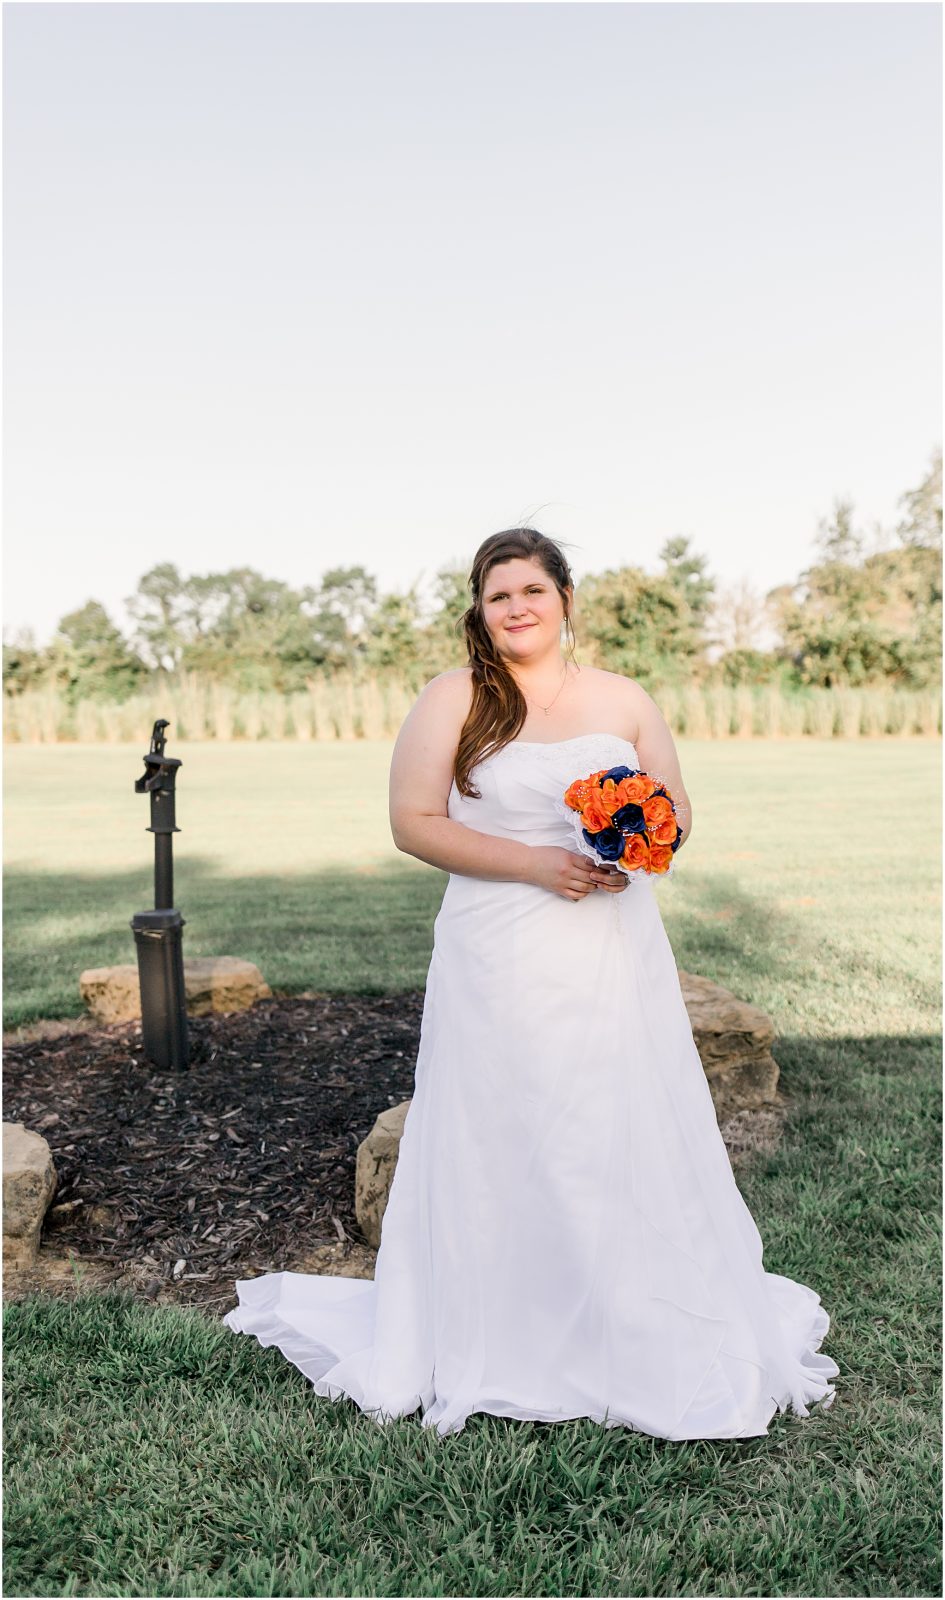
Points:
[[609, 878], [571, 874]]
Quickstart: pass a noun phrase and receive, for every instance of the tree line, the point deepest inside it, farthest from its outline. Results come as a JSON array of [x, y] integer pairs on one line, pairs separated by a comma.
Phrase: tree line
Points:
[[867, 610]]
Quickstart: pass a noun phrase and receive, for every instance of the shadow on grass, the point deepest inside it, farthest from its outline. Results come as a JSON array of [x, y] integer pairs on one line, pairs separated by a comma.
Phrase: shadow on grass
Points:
[[357, 929], [769, 954]]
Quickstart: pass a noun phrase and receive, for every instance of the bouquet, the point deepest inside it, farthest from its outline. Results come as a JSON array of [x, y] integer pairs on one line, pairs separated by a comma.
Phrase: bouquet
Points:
[[626, 817]]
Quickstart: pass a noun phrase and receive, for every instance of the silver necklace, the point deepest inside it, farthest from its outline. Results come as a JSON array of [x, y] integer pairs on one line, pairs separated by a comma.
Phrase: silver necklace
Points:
[[547, 708]]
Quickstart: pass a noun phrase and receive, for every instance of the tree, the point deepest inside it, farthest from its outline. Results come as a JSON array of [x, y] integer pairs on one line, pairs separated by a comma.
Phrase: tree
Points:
[[162, 607], [394, 639], [345, 603], [739, 617], [853, 618], [742, 643], [90, 658], [921, 524], [687, 573], [238, 626], [23, 662], [252, 631], [638, 625], [443, 643], [838, 542]]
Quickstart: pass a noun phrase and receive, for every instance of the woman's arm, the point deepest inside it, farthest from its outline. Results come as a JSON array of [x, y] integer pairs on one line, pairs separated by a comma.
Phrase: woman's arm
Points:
[[421, 773], [657, 752]]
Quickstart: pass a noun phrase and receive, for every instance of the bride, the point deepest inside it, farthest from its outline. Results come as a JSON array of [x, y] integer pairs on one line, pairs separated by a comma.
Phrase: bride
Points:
[[564, 1236]]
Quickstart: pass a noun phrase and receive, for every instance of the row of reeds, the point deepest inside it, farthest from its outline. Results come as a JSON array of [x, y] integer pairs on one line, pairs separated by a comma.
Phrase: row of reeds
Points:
[[373, 708]]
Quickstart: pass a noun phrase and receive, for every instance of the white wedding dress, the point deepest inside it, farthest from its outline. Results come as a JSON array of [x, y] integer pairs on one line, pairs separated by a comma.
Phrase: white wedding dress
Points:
[[564, 1236]]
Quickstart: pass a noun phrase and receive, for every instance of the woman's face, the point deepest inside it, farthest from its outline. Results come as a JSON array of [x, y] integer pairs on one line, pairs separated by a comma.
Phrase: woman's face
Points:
[[522, 609]]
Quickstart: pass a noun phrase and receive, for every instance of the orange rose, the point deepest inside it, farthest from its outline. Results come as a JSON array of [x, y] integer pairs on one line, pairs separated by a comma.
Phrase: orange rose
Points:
[[660, 857], [579, 792], [595, 816], [656, 810], [664, 832], [636, 854], [635, 790], [610, 796]]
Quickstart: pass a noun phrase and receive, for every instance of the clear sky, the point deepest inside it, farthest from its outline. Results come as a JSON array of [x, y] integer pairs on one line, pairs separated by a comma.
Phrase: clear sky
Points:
[[306, 285]]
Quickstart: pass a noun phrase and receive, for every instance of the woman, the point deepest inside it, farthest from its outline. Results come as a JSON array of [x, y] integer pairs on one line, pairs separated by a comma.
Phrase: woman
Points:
[[564, 1236]]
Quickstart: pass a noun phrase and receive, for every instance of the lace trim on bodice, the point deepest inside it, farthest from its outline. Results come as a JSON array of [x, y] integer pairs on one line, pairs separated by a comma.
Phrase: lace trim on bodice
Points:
[[547, 750]]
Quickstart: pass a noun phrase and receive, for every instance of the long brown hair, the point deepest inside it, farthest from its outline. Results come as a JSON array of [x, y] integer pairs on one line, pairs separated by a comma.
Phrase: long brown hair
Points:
[[498, 708]]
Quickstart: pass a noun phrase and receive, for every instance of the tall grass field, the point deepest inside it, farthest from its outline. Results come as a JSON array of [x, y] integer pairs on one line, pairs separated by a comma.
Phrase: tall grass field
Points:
[[372, 707]]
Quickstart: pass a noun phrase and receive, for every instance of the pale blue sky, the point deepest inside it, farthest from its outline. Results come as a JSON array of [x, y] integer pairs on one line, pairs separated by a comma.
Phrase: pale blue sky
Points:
[[295, 286]]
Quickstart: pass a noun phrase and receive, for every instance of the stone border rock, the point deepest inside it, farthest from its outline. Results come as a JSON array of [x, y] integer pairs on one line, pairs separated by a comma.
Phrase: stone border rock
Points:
[[29, 1183], [212, 984]]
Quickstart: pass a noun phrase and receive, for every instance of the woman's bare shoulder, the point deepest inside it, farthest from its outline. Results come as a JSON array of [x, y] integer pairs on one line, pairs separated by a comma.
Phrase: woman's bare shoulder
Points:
[[626, 697], [609, 677], [456, 681], [451, 692], [632, 691]]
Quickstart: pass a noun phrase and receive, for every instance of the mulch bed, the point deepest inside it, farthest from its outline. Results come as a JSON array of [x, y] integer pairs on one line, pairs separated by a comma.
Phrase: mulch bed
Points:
[[230, 1166]]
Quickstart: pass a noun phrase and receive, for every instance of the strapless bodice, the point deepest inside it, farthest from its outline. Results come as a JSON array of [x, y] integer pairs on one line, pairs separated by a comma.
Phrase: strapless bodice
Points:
[[522, 787]]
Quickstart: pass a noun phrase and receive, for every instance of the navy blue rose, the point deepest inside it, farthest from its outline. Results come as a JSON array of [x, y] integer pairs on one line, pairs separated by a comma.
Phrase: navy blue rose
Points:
[[629, 818], [608, 843], [678, 839], [617, 773]]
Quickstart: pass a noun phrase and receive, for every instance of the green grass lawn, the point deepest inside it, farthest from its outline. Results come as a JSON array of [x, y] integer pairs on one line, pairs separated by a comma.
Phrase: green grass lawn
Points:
[[803, 887], [149, 1451]]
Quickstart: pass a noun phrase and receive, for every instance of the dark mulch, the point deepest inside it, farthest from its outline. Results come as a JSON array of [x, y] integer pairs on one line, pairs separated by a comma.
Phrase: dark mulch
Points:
[[230, 1165]]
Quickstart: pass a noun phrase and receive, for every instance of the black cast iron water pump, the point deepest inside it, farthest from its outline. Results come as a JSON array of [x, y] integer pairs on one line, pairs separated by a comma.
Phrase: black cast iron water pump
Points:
[[159, 933]]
